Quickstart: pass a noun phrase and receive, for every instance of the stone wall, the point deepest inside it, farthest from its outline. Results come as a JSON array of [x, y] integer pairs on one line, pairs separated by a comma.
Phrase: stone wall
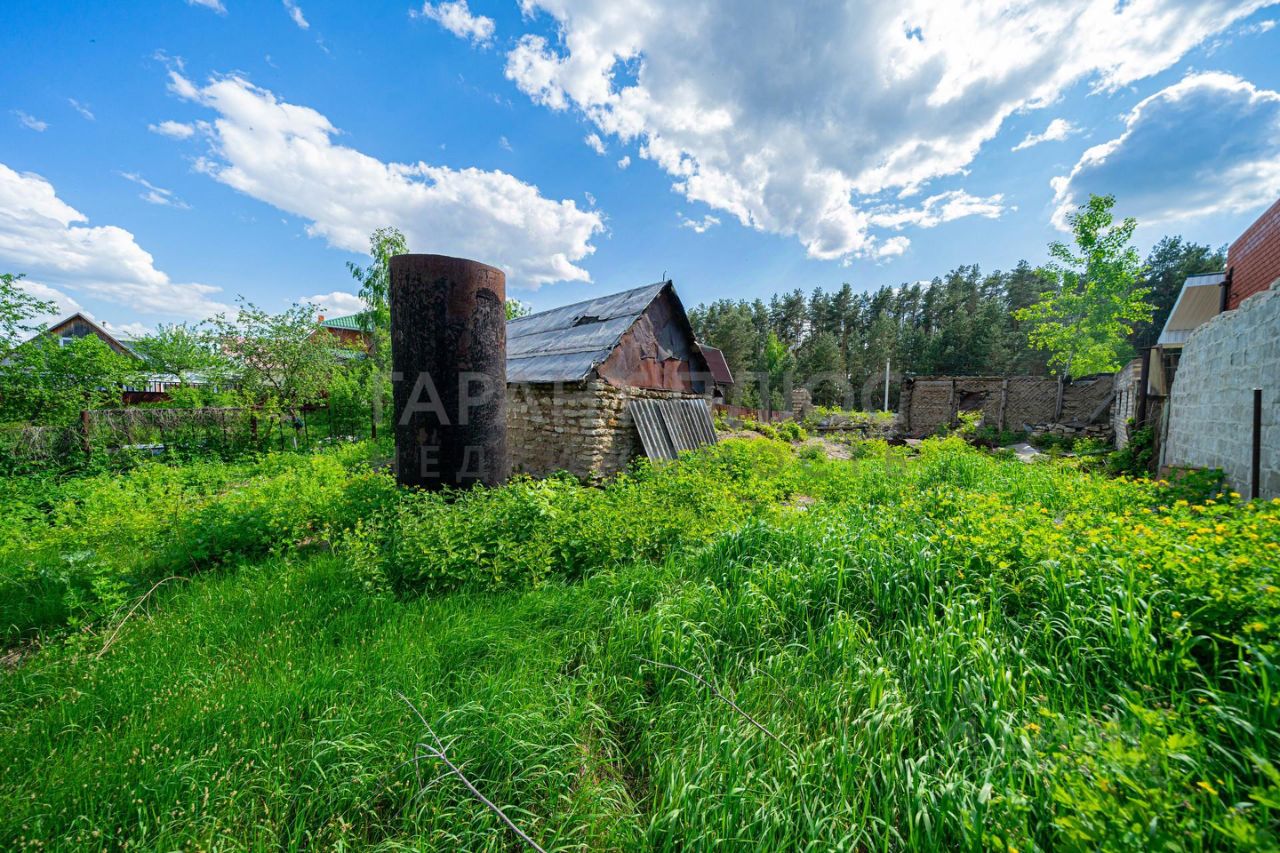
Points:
[[1010, 402], [583, 428], [1211, 403], [1126, 402]]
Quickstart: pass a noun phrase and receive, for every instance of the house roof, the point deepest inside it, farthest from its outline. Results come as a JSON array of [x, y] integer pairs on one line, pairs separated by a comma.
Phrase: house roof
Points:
[[350, 322], [719, 366], [565, 344], [122, 341], [1198, 302]]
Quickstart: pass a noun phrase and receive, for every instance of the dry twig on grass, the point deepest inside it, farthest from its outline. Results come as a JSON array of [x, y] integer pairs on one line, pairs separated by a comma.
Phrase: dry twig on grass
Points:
[[136, 605], [734, 705], [437, 751]]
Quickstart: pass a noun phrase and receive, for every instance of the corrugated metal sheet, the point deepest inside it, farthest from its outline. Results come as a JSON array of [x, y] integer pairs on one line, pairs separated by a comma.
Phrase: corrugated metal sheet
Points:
[[1197, 304], [668, 427], [349, 323], [564, 344]]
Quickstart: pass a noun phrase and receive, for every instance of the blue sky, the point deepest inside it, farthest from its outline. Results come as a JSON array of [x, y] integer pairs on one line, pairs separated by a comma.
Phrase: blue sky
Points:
[[159, 159]]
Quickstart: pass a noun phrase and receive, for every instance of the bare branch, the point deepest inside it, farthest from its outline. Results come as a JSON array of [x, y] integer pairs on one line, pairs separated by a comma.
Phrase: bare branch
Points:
[[723, 698], [136, 605], [438, 752]]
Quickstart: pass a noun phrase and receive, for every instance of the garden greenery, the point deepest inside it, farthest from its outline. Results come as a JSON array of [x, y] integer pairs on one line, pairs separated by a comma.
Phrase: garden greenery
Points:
[[955, 651]]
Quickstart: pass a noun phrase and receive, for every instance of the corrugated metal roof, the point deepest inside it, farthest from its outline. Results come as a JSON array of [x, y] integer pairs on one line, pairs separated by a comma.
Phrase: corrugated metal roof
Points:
[[668, 427], [1197, 303], [566, 343], [563, 344], [351, 322]]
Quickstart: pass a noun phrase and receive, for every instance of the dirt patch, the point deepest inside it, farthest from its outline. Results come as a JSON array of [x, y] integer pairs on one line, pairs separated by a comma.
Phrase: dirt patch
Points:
[[12, 658]]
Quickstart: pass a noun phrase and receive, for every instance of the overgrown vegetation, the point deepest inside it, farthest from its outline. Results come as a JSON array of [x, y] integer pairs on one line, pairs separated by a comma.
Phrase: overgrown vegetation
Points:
[[954, 651]]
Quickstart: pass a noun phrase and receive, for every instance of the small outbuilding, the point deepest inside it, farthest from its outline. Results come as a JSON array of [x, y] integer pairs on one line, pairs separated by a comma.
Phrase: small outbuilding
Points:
[[592, 385]]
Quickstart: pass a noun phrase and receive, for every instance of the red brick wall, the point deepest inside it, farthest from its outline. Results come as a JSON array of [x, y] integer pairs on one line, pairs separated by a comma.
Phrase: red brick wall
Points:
[[1254, 257]]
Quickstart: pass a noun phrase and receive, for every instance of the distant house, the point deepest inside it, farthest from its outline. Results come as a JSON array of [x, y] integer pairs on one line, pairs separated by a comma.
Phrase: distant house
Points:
[[349, 330], [154, 386], [592, 385], [720, 372], [76, 326]]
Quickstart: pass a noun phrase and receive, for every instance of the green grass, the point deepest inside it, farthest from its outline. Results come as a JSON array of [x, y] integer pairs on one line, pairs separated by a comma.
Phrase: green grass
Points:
[[963, 653]]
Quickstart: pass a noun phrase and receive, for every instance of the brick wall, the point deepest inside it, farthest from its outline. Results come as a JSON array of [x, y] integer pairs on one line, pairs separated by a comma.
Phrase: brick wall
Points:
[[1010, 402], [1211, 403], [1254, 258], [583, 428]]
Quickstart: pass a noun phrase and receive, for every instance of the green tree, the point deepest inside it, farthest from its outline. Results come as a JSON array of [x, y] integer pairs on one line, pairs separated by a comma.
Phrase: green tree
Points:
[[821, 369], [516, 309], [375, 320], [18, 311], [1094, 297], [181, 350], [284, 360], [777, 365], [47, 382], [1168, 264]]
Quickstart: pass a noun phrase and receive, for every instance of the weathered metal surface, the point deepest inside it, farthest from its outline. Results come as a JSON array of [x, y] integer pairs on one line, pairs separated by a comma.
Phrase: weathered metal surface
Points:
[[565, 344], [448, 346], [659, 351], [717, 364], [668, 427]]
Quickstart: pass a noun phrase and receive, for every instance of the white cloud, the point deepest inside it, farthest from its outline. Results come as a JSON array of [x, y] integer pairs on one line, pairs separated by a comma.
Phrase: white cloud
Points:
[[215, 5], [44, 237], [625, 161], [505, 144], [796, 117], [595, 143], [31, 122], [1208, 144], [173, 129], [937, 209], [127, 331], [1058, 130], [82, 109], [892, 248], [338, 303], [456, 17], [155, 194], [65, 303], [295, 12], [284, 154], [698, 226]]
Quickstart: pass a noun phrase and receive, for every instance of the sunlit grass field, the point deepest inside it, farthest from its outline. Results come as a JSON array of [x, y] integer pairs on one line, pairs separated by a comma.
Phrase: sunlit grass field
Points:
[[948, 651]]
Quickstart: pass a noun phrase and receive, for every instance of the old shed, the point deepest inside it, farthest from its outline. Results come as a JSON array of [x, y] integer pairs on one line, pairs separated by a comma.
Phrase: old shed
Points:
[[594, 384]]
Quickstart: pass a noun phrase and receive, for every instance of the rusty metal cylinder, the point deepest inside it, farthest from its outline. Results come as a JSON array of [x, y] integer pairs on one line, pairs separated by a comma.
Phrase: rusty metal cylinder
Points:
[[449, 371]]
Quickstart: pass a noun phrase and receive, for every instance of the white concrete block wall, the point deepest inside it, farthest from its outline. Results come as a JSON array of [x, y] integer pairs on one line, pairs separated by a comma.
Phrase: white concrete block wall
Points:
[[1211, 404]]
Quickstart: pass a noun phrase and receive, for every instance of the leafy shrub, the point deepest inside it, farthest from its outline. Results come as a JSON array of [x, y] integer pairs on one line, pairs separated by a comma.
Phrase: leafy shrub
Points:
[[1138, 457], [767, 430], [791, 431], [520, 534]]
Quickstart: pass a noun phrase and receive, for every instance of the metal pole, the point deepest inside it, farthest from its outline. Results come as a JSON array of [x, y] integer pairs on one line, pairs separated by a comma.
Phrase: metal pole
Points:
[[1255, 479], [886, 384]]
